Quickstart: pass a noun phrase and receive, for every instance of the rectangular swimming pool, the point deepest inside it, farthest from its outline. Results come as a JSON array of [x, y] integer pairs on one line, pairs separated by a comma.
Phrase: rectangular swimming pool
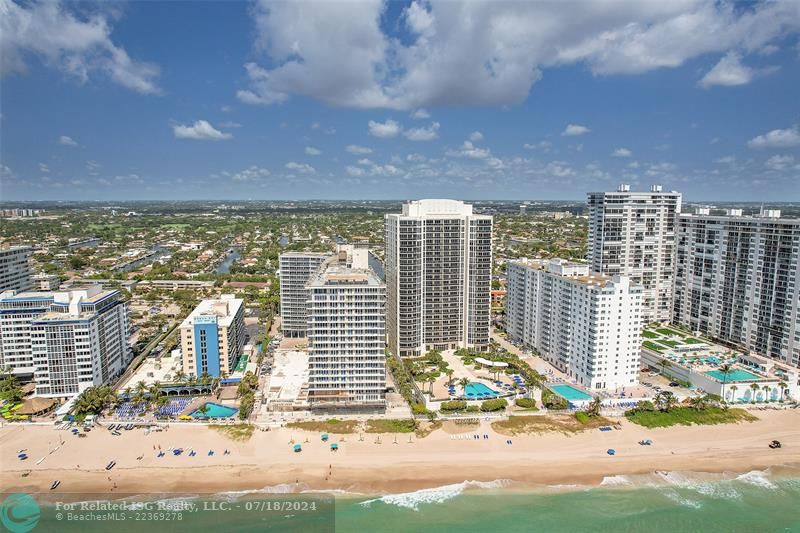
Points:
[[475, 390], [569, 392], [734, 375], [215, 410]]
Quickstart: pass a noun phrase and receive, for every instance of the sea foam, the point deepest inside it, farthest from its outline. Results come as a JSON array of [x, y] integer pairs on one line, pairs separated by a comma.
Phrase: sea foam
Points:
[[412, 500]]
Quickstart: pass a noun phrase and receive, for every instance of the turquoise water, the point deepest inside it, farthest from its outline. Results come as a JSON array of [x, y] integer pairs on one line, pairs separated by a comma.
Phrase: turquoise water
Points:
[[735, 375], [666, 503], [215, 410], [570, 393], [478, 389]]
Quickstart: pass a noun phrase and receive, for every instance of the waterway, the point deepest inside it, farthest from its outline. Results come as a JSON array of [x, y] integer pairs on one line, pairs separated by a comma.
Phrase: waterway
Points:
[[225, 266]]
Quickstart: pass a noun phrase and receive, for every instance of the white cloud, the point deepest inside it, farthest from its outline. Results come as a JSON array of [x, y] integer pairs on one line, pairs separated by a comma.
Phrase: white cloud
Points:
[[355, 171], [78, 44], [384, 130], [779, 162], [777, 139], [229, 124], [470, 151], [423, 134], [731, 72], [43, 168], [310, 150], [538, 146], [483, 52], [573, 130], [622, 152], [66, 140], [420, 114], [358, 150], [302, 168], [476, 136], [250, 174], [201, 130], [416, 158], [725, 160]]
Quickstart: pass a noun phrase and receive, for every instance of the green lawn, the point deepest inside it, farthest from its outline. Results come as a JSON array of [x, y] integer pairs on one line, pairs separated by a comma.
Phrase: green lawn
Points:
[[686, 416], [669, 343], [402, 425], [666, 331], [653, 346], [690, 340], [650, 335]]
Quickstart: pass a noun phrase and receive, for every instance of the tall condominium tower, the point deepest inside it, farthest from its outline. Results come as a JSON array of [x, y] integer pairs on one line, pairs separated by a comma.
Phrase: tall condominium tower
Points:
[[296, 269], [346, 333], [15, 271], [586, 324], [633, 233], [738, 280], [65, 341], [212, 336], [438, 266]]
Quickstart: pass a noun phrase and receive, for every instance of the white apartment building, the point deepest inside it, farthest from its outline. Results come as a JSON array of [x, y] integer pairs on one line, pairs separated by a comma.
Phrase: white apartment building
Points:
[[738, 280], [15, 269], [438, 265], [346, 333], [212, 336], [633, 234], [64, 342], [586, 324], [296, 268]]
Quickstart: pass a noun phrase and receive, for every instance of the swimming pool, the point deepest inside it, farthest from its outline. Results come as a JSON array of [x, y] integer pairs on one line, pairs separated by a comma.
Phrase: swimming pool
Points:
[[570, 393], [215, 410], [734, 375], [476, 389]]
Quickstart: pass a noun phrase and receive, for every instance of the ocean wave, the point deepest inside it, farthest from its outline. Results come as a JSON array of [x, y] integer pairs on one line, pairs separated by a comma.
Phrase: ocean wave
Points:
[[673, 495], [282, 488], [759, 478], [616, 481], [412, 500]]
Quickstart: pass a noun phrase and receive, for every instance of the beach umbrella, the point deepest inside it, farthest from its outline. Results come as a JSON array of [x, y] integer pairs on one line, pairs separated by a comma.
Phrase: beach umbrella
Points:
[[297, 448], [334, 446], [324, 436]]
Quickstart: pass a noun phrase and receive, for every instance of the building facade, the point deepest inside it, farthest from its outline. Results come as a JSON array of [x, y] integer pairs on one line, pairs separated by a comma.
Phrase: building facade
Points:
[[212, 337], [738, 280], [633, 234], [15, 269], [296, 268], [346, 334], [586, 324], [438, 267], [64, 342]]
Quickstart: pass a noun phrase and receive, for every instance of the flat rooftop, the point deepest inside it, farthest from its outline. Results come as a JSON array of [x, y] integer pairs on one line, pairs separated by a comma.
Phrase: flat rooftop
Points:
[[224, 309], [577, 272]]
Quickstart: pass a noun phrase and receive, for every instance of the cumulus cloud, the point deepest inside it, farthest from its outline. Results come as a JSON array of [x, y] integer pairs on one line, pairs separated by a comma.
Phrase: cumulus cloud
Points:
[[725, 160], [574, 130], [541, 145], [420, 114], [250, 174], [731, 72], [201, 130], [777, 139], [358, 150], [77, 44], [469, 150], [302, 168], [621, 152], [310, 150], [476, 136], [423, 134], [44, 168], [483, 52], [66, 140], [384, 130], [779, 162]]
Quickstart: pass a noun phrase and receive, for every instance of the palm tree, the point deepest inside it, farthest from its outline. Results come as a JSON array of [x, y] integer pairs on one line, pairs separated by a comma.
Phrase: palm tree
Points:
[[754, 387], [782, 385], [665, 400], [127, 393], [449, 378], [765, 388], [724, 370], [593, 407], [463, 382], [180, 375], [698, 402], [205, 377], [203, 409], [431, 380], [733, 390]]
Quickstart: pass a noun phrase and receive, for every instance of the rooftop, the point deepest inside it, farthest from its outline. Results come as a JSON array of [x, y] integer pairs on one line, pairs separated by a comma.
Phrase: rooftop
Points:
[[577, 272], [223, 310]]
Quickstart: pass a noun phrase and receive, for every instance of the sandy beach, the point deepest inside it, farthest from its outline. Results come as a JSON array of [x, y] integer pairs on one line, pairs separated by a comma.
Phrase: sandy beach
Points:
[[366, 467]]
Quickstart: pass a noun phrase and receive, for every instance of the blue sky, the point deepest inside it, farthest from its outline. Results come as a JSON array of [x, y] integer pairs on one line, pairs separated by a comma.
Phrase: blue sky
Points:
[[497, 100]]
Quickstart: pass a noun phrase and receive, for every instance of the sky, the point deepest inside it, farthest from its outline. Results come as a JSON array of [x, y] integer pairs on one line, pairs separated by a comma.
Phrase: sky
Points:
[[394, 100]]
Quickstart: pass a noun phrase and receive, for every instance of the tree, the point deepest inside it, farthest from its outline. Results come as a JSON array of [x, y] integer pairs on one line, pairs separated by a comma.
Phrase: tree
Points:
[[10, 390], [754, 387], [180, 375], [665, 400], [698, 402], [664, 364], [205, 377], [725, 370], [449, 378], [782, 385], [203, 409], [593, 407], [431, 380], [733, 390], [765, 388], [463, 382]]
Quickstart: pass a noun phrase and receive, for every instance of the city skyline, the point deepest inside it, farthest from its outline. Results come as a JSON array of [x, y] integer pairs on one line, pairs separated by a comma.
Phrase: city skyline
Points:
[[249, 101]]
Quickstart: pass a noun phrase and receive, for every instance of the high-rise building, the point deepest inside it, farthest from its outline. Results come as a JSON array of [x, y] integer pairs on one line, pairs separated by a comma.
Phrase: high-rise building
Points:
[[15, 269], [212, 336], [586, 324], [296, 268], [438, 266], [65, 341], [633, 234], [346, 333], [738, 280]]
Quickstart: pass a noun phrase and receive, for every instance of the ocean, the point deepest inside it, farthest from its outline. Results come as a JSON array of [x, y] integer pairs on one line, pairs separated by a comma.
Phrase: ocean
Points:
[[669, 502]]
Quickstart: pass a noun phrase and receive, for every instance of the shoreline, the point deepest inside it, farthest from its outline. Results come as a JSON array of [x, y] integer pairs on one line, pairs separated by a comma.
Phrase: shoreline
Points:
[[266, 463]]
